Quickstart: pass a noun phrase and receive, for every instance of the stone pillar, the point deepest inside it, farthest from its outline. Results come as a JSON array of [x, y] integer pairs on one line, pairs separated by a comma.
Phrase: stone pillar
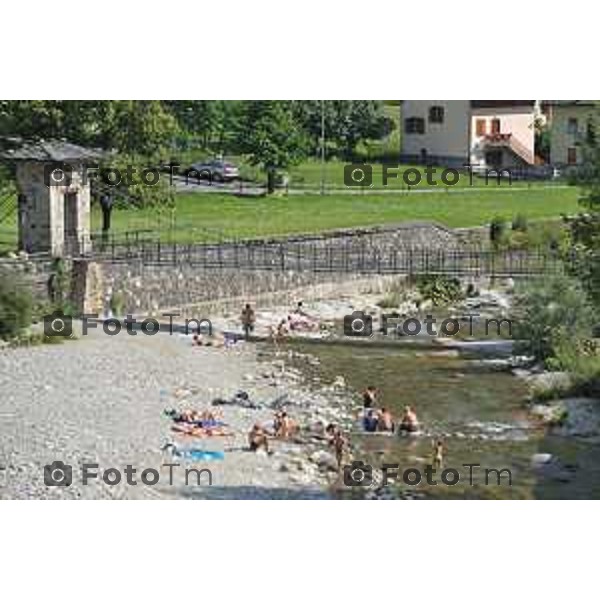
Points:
[[87, 287], [56, 218]]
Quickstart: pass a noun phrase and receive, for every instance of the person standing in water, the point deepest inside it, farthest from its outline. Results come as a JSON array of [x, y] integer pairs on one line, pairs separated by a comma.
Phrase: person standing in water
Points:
[[438, 454], [409, 423], [369, 397]]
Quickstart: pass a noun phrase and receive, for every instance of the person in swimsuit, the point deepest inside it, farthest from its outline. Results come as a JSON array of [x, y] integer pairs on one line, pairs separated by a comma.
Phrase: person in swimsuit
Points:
[[386, 421], [438, 454], [370, 422], [257, 438], [339, 443], [248, 319], [409, 423], [369, 397]]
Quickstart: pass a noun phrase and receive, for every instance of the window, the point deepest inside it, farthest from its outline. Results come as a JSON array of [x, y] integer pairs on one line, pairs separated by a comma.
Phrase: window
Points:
[[572, 126], [480, 127], [495, 126], [436, 114], [572, 156], [414, 125]]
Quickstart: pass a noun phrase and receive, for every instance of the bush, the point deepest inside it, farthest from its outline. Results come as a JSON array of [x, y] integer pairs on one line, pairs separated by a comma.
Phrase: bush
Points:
[[520, 224], [581, 359], [439, 289], [15, 305], [548, 314], [497, 231], [117, 303]]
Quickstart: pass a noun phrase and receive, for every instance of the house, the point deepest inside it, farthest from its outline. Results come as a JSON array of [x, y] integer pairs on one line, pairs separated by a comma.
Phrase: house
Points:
[[485, 133], [571, 124]]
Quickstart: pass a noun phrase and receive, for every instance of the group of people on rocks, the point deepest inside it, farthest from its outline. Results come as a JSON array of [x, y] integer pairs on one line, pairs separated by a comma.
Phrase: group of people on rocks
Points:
[[284, 427], [380, 419], [297, 320]]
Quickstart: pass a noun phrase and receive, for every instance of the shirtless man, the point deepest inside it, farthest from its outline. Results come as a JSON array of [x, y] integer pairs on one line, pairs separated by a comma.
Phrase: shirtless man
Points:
[[409, 423], [257, 438], [339, 442], [248, 319], [284, 425], [386, 421]]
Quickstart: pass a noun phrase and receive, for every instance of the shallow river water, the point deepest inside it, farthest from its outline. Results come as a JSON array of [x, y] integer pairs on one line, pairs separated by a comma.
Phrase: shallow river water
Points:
[[480, 414]]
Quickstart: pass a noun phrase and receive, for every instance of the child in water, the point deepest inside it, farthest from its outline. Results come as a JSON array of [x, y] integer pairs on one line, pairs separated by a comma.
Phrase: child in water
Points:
[[438, 454]]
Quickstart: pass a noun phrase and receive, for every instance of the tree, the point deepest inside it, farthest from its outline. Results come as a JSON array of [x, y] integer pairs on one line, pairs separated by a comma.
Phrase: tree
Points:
[[584, 254], [549, 311], [347, 122], [15, 304], [271, 137]]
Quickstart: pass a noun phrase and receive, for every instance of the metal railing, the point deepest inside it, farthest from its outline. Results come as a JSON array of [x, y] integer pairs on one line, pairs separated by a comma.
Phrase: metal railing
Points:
[[363, 259]]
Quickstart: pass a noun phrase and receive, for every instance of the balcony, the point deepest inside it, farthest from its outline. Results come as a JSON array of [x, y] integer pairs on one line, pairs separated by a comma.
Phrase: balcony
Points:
[[507, 140]]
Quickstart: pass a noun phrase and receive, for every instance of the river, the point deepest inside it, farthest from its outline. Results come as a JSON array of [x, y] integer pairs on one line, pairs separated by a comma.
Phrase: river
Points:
[[479, 412]]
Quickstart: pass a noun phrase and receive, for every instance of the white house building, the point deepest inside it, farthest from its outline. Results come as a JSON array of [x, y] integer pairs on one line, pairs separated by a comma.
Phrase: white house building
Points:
[[484, 133]]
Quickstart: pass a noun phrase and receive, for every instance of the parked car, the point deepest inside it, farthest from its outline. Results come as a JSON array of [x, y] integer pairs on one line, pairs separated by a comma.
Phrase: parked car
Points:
[[216, 170]]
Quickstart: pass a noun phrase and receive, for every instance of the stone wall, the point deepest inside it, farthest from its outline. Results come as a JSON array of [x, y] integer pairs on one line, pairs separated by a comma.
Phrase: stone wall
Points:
[[149, 290]]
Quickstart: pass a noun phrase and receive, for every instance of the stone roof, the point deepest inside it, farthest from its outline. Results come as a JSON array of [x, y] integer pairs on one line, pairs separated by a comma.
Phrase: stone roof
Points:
[[46, 151]]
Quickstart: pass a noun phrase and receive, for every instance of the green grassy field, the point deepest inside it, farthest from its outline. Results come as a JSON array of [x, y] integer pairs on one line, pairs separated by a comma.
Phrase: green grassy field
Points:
[[207, 216], [201, 217]]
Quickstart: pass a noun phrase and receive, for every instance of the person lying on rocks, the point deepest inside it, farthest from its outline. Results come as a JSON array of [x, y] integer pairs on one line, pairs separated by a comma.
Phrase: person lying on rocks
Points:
[[205, 418], [258, 438], [216, 341], [409, 422], [385, 421]]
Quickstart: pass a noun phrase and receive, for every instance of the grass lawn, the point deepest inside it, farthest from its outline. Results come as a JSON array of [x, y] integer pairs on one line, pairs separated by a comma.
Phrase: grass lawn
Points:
[[207, 216]]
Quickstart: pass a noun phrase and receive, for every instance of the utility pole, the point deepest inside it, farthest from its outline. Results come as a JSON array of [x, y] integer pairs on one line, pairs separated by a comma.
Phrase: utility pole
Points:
[[322, 147]]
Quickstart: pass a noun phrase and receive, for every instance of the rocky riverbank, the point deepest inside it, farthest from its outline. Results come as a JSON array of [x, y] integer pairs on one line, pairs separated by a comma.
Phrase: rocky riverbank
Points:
[[101, 399]]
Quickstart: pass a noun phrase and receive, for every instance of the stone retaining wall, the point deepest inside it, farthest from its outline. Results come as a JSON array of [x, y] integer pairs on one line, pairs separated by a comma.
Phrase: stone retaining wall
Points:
[[146, 289]]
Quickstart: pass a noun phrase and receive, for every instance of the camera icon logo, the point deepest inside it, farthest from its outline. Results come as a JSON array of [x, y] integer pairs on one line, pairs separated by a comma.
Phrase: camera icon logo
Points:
[[358, 324], [58, 174], [358, 474], [58, 325], [358, 175], [58, 474]]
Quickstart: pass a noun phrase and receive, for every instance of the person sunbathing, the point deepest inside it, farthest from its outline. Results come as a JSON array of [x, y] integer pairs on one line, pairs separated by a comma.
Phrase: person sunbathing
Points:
[[258, 438]]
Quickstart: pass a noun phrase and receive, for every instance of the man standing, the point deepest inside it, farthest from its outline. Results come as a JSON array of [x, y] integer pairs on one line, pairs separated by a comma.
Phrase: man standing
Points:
[[248, 319]]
